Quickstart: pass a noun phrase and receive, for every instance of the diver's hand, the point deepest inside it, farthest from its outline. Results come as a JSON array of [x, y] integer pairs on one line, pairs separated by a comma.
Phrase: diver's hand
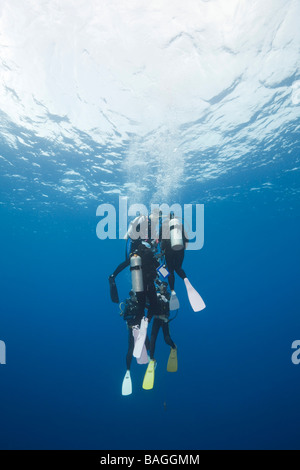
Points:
[[113, 289]]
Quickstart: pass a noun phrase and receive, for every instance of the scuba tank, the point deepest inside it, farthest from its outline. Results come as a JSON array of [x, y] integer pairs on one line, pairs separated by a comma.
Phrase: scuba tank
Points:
[[176, 234], [136, 273]]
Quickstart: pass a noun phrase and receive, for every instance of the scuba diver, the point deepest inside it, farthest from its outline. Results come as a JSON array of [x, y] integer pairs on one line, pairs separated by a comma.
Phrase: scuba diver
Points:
[[131, 315], [161, 320], [173, 242], [143, 265]]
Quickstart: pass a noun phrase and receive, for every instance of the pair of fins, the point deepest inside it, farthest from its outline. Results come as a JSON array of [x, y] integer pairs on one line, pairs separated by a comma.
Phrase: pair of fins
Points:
[[195, 298], [172, 366], [148, 381]]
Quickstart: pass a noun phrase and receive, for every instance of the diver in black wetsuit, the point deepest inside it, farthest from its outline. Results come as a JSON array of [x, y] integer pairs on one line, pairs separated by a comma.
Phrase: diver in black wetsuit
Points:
[[173, 243], [174, 260], [161, 319], [149, 265], [142, 247]]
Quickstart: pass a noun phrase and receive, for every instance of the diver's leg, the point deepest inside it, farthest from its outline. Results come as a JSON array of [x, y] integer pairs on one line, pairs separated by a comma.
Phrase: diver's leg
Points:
[[153, 304], [130, 348], [171, 280], [170, 265], [178, 260], [142, 333], [170, 260], [147, 343], [154, 333], [167, 337]]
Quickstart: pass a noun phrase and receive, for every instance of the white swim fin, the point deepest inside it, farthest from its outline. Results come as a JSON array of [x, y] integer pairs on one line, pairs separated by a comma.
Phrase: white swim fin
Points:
[[195, 299], [127, 384], [140, 340], [174, 302], [143, 359]]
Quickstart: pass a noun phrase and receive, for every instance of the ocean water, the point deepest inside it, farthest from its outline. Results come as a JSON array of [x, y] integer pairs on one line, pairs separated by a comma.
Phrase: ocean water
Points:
[[194, 102]]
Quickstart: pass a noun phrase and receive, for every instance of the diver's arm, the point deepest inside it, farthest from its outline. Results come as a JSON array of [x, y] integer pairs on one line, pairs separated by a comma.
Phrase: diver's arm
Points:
[[112, 283], [121, 267]]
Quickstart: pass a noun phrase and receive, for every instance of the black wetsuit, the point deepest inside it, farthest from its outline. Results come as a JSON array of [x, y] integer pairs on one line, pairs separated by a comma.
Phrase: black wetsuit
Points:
[[149, 265], [163, 312], [132, 317]]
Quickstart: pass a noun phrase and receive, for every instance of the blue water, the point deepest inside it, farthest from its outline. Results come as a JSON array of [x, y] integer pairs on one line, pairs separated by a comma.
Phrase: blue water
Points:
[[236, 386]]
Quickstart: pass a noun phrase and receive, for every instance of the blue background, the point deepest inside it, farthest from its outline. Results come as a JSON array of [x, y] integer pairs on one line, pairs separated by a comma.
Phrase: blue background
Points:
[[236, 386]]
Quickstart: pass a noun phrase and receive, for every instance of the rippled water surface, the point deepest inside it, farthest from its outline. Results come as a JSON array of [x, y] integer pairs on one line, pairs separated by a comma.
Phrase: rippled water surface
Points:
[[149, 100]]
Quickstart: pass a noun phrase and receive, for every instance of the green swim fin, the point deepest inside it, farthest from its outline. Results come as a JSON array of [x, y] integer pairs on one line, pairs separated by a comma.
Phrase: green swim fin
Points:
[[172, 362], [149, 376]]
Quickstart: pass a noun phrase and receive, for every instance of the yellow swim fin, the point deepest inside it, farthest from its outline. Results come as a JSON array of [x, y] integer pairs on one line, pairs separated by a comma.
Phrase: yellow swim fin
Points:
[[149, 376], [172, 362]]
